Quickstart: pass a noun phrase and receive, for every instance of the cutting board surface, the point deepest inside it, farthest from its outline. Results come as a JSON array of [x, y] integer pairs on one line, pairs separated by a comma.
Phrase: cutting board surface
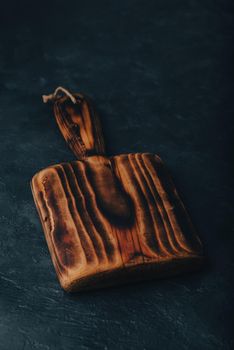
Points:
[[113, 220]]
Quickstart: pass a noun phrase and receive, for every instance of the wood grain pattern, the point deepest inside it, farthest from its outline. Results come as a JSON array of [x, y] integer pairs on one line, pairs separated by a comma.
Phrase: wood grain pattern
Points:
[[113, 220], [110, 220], [80, 125]]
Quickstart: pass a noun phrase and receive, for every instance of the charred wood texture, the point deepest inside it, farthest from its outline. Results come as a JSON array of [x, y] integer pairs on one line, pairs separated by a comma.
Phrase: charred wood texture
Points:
[[109, 220], [80, 126]]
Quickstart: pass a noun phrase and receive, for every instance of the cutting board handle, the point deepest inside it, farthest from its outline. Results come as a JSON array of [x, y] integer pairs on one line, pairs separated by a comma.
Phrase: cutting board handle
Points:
[[78, 122]]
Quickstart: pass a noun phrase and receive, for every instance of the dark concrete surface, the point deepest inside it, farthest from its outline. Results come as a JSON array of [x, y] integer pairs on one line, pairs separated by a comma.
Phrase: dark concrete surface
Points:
[[161, 73]]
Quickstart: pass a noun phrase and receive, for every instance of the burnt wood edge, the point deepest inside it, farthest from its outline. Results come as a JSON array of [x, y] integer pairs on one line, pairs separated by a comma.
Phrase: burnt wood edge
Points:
[[152, 270]]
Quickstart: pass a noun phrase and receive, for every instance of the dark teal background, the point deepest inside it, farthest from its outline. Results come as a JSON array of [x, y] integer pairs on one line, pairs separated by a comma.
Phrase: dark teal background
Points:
[[161, 74]]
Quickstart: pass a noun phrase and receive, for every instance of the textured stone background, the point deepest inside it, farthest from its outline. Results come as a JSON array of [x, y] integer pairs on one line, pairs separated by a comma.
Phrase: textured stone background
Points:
[[161, 73]]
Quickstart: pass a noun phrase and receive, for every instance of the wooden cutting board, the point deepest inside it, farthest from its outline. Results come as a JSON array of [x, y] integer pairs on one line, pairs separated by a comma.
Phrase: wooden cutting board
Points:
[[110, 220]]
